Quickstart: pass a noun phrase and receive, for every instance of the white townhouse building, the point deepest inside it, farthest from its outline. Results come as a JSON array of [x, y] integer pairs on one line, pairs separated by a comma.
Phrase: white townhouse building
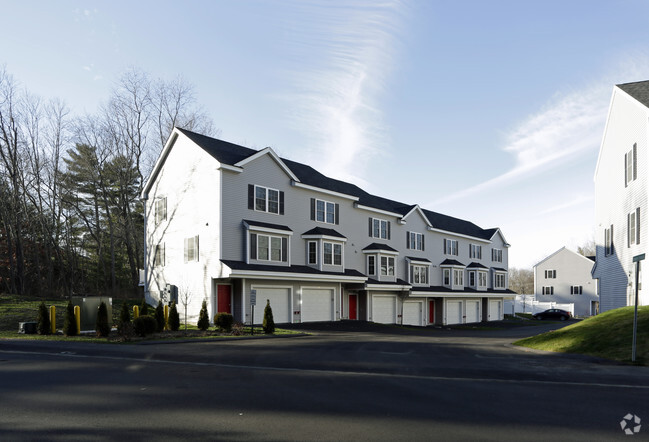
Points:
[[565, 277], [621, 197], [222, 220]]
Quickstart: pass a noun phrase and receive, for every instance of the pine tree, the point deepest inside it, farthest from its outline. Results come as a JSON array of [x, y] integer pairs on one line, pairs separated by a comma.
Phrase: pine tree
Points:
[[44, 324], [102, 325], [269, 323], [144, 308], [203, 318], [70, 323], [160, 316], [174, 318]]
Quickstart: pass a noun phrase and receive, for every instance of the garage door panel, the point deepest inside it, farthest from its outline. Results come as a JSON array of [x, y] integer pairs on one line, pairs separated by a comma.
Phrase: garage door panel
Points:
[[495, 310], [279, 301], [454, 312], [472, 311], [384, 309], [412, 312], [317, 305]]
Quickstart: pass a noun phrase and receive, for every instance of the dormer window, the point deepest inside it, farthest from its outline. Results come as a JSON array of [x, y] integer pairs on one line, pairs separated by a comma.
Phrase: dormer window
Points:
[[387, 266], [325, 247], [418, 270], [381, 261], [268, 242], [452, 274]]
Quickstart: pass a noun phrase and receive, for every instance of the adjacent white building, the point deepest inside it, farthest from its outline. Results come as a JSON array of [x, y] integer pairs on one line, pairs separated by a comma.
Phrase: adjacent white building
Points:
[[565, 277], [621, 197], [224, 221]]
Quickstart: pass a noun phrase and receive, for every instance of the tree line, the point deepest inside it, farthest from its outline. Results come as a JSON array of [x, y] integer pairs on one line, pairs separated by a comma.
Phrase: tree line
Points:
[[71, 220]]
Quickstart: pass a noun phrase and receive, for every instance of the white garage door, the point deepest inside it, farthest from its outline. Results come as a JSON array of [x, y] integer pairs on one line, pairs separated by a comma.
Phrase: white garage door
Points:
[[279, 301], [384, 309], [472, 311], [495, 310], [317, 305], [412, 312], [454, 312]]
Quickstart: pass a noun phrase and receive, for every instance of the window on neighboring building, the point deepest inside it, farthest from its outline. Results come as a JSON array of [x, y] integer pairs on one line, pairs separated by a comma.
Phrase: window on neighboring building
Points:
[[633, 227], [191, 249], [548, 290], [324, 211], [419, 274], [332, 253], [631, 165], [264, 199], [387, 266], [550, 274], [499, 281], [451, 247], [414, 241], [159, 257], [475, 251], [482, 279], [497, 255], [609, 246], [379, 228], [371, 265], [458, 277], [576, 290], [160, 210], [312, 251]]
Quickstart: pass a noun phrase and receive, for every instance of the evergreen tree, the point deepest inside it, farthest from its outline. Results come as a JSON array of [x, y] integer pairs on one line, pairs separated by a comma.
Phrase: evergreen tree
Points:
[[174, 318], [160, 316], [102, 325], [203, 318], [269, 323], [144, 308], [124, 314], [70, 322], [44, 324]]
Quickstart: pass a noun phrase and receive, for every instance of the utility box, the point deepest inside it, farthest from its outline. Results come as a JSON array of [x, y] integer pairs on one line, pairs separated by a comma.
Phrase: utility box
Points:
[[170, 294], [27, 328], [89, 306]]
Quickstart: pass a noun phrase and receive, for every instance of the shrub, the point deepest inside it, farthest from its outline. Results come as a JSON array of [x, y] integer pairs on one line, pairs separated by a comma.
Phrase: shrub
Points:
[[160, 317], [124, 318], [269, 323], [144, 308], [70, 322], [144, 325], [174, 318], [238, 329], [44, 324], [102, 326], [203, 319], [223, 321]]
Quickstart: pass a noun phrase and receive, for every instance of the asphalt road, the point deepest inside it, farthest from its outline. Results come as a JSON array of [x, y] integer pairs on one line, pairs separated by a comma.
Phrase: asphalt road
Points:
[[343, 382]]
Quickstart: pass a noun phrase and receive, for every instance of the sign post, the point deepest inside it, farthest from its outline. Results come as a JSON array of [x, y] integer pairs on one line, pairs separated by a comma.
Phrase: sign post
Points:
[[253, 302], [636, 260]]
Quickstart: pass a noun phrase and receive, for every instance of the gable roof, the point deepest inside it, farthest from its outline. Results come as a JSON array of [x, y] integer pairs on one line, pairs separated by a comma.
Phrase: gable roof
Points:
[[638, 90], [588, 258], [234, 155]]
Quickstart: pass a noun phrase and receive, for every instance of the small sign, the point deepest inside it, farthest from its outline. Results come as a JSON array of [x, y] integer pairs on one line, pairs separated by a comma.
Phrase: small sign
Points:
[[253, 297]]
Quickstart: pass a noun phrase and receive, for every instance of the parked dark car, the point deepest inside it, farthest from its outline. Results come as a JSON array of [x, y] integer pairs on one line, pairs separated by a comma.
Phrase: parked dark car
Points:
[[553, 313]]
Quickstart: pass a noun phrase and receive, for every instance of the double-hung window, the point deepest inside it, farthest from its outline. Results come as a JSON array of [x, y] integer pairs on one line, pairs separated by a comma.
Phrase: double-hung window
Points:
[[332, 253], [451, 247], [497, 255], [265, 199], [418, 274], [550, 274], [475, 251], [387, 266], [609, 246], [576, 289], [631, 165], [324, 211], [458, 277], [633, 223], [159, 257], [499, 281], [371, 265], [269, 248], [548, 290], [191, 249], [160, 210], [482, 279], [414, 241], [379, 228], [312, 252], [446, 277]]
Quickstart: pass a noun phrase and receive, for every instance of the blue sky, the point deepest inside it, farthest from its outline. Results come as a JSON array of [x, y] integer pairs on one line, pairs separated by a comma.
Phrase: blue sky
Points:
[[488, 111]]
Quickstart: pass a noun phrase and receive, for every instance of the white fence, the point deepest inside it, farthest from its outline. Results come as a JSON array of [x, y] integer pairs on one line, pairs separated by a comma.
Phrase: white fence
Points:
[[529, 304]]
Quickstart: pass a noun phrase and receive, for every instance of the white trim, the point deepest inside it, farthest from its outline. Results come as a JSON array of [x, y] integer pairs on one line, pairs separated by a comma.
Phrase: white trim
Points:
[[325, 237], [230, 168], [381, 252], [421, 212], [325, 191], [389, 287], [447, 232], [415, 261], [505, 243], [253, 228], [274, 156], [255, 274], [372, 209]]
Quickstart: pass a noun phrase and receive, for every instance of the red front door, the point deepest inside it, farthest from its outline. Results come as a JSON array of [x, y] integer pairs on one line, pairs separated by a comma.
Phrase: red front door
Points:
[[223, 302], [431, 312], [352, 306]]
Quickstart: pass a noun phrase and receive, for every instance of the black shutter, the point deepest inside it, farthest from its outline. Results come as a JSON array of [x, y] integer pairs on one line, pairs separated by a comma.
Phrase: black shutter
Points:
[[635, 161], [284, 249], [251, 196], [626, 178], [407, 240], [253, 246], [628, 230], [388, 229], [281, 203], [370, 231], [312, 209], [411, 275], [637, 225], [337, 216], [612, 242], [444, 251], [423, 246]]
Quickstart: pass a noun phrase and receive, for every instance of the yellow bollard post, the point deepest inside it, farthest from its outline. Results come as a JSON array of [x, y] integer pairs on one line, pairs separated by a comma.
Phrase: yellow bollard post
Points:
[[136, 312], [77, 316], [166, 317], [53, 318]]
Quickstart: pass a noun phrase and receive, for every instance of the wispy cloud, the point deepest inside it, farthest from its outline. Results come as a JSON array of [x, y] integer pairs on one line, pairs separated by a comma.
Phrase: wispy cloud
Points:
[[575, 201], [346, 51], [571, 124]]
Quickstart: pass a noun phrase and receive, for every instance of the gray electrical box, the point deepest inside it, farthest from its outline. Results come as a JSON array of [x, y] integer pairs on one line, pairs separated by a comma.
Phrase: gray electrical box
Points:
[[89, 306], [170, 294]]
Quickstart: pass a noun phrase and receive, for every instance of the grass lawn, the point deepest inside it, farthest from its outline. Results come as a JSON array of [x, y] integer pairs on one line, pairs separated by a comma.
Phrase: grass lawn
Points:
[[608, 335]]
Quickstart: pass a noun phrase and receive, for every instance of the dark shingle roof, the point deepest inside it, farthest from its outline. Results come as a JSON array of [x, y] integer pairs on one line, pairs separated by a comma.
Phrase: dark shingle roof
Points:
[[229, 153], [323, 231], [638, 90], [414, 258], [240, 265], [267, 225], [451, 262], [476, 265], [377, 246]]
